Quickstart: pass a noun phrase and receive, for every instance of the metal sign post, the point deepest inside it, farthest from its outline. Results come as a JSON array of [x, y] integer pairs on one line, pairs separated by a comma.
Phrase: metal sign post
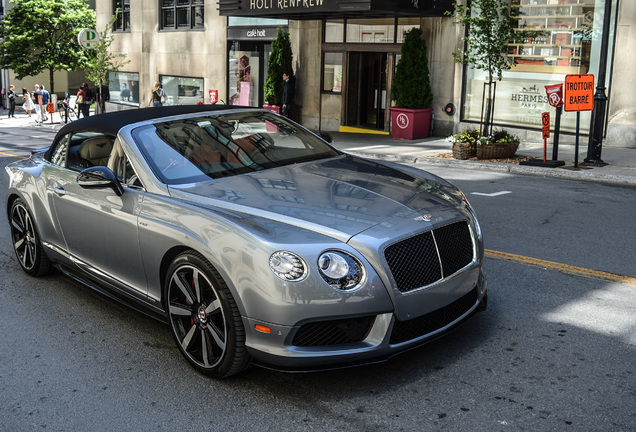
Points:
[[545, 121]]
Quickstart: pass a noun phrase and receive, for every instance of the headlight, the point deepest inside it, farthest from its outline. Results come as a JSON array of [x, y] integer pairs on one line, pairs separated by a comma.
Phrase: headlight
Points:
[[288, 266], [341, 271], [478, 232]]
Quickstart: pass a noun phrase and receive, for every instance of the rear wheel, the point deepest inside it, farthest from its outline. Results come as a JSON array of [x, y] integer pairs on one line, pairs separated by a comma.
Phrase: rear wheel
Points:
[[205, 321], [26, 240]]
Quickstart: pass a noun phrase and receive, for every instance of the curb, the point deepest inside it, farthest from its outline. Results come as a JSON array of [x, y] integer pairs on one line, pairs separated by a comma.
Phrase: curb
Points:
[[560, 173]]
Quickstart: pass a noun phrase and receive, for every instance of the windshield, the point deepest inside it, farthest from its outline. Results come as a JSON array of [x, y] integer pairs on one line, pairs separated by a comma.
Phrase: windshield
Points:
[[221, 145]]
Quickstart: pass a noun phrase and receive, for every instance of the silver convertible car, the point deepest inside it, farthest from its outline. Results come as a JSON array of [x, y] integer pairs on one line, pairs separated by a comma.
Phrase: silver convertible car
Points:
[[252, 237]]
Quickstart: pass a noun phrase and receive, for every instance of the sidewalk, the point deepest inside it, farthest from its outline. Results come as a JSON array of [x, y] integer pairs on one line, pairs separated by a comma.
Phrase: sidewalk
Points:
[[620, 168]]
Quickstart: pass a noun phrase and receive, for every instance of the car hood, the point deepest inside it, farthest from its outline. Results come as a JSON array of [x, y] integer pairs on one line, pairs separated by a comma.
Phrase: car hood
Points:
[[339, 197]]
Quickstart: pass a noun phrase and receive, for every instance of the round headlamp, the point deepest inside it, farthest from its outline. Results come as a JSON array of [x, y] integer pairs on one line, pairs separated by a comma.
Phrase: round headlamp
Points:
[[341, 271], [288, 266]]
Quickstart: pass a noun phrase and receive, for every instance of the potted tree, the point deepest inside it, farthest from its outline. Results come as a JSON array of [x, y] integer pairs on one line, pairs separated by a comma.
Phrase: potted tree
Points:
[[411, 90], [490, 28], [280, 62]]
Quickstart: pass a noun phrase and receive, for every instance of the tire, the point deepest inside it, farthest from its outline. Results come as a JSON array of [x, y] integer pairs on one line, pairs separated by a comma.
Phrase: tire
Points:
[[26, 240], [205, 321]]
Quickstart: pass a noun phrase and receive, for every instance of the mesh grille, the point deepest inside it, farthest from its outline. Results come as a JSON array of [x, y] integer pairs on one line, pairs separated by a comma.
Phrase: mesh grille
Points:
[[415, 262], [407, 330], [334, 332]]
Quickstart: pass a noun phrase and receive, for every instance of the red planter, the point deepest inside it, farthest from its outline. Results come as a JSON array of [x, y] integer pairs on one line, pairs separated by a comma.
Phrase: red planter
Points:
[[410, 124], [273, 108]]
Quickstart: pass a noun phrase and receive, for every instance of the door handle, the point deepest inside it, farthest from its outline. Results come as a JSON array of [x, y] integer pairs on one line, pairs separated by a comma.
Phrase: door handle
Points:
[[59, 191]]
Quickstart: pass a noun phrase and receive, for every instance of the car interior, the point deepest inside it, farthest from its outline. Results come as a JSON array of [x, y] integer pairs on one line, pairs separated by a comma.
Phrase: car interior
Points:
[[88, 149]]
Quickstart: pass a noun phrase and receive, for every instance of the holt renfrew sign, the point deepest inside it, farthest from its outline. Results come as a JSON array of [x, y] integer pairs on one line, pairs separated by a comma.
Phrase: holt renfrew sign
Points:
[[306, 8]]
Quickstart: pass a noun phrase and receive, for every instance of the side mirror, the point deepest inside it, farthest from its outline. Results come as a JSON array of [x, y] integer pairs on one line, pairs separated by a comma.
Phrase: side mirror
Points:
[[100, 177]]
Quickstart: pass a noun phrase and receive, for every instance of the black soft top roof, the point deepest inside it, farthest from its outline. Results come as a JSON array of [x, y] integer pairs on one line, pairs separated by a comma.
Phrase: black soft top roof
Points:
[[111, 123]]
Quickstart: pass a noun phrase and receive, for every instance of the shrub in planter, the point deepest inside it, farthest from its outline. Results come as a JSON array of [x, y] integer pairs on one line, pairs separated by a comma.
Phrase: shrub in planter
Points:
[[501, 144], [411, 90], [280, 61], [464, 143]]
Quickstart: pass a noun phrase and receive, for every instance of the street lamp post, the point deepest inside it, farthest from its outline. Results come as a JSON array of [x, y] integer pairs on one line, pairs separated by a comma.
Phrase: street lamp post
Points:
[[595, 143]]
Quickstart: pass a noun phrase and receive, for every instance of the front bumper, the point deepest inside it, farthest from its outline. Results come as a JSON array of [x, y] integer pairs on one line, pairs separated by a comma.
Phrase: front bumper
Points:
[[345, 342]]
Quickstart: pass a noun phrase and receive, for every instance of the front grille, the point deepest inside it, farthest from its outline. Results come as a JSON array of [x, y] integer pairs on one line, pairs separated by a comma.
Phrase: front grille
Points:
[[408, 330], [428, 257], [334, 332]]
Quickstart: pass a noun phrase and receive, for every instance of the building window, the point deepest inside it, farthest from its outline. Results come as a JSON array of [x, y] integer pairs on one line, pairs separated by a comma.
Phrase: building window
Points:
[[181, 14], [124, 88], [375, 30], [332, 73], [122, 9], [404, 25], [379, 30], [182, 90], [334, 31]]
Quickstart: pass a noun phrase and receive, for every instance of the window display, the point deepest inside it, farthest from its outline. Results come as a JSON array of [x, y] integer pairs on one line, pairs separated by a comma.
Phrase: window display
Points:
[[553, 38], [124, 87], [182, 90]]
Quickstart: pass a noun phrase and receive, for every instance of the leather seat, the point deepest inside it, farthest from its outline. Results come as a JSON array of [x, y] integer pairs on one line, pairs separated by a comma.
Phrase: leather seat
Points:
[[96, 150]]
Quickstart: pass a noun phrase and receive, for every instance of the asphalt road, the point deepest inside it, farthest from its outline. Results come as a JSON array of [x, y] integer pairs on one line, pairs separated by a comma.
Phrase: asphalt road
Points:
[[555, 351]]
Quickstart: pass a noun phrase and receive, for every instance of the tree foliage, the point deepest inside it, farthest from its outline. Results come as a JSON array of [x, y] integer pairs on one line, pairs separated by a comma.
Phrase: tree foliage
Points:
[[490, 28], [100, 60], [411, 86], [280, 62], [40, 35]]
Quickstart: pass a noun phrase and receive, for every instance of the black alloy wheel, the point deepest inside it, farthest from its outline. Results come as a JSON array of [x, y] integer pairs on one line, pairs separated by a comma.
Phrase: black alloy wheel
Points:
[[204, 318], [26, 241]]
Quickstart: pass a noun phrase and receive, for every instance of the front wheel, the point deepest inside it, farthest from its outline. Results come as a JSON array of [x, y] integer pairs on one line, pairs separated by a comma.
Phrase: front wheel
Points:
[[205, 321], [26, 240]]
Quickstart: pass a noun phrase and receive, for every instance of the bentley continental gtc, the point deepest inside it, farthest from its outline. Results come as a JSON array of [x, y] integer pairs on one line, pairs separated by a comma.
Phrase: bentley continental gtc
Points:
[[253, 238]]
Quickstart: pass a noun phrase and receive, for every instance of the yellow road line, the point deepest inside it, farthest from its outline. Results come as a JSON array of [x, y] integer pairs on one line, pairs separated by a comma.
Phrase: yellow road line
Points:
[[12, 155], [563, 268]]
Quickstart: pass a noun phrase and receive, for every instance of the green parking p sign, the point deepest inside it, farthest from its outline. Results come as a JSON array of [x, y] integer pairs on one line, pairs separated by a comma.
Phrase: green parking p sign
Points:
[[88, 38]]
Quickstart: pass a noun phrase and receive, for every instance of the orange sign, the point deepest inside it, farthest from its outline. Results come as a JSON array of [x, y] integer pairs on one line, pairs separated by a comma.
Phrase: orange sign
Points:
[[579, 92], [545, 121]]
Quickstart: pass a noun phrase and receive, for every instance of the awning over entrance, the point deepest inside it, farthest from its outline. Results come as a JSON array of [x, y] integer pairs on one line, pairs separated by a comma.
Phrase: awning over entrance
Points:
[[334, 9]]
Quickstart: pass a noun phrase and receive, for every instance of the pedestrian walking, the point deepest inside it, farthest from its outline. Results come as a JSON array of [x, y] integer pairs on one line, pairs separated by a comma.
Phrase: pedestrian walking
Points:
[[157, 95], [37, 102], [288, 95], [104, 96], [11, 97], [81, 101], [46, 98], [28, 105]]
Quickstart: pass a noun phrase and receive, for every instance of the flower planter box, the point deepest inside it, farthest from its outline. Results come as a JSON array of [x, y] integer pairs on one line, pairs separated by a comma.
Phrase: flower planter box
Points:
[[496, 151], [464, 151], [410, 124]]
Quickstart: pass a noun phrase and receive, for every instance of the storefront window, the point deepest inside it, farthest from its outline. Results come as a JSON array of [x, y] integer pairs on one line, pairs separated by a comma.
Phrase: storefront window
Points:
[[381, 30], [124, 88], [182, 90], [243, 77], [332, 73], [334, 31], [552, 39]]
